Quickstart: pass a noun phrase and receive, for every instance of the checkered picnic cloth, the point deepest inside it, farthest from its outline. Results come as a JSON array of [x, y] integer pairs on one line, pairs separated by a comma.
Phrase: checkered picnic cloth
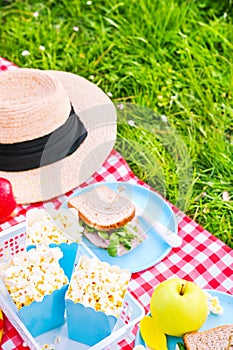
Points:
[[202, 257]]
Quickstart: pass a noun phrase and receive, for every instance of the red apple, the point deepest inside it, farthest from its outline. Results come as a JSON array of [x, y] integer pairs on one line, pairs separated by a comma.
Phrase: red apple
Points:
[[7, 199]]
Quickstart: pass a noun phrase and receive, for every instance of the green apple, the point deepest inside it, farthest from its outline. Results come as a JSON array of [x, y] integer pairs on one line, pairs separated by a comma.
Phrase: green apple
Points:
[[179, 306]]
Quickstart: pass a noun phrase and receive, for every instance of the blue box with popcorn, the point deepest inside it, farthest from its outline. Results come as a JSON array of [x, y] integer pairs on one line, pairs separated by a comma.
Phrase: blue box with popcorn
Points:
[[94, 299], [37, 283]]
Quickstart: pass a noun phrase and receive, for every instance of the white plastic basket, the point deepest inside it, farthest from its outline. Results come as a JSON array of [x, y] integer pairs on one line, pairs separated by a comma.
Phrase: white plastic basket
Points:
[[12, 241]]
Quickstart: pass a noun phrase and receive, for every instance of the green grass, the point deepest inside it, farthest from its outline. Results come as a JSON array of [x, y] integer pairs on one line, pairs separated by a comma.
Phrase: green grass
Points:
[[159, 58]]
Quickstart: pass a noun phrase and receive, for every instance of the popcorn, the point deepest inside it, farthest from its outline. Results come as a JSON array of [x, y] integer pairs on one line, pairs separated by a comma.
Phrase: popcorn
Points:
[[98, 285], [34, 274], [53, 226], [214, 305], [94, 300]]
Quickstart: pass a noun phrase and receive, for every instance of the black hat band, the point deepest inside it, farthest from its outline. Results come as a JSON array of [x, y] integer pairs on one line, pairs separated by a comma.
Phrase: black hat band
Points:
[[44, 150]]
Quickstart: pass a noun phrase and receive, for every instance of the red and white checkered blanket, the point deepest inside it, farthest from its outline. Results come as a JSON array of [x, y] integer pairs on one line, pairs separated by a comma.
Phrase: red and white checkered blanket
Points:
[[201, 258]]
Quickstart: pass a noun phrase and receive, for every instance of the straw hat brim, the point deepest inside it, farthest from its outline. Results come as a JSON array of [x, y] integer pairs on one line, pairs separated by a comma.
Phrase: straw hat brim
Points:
[[98, 114]]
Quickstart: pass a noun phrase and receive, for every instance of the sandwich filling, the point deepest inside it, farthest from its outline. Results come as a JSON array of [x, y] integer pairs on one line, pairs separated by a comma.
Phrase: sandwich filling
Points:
[[118, 241]]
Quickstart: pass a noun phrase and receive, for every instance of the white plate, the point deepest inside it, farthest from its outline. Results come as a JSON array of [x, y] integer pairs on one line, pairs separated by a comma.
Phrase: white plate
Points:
[[226, 301], [153, 249]]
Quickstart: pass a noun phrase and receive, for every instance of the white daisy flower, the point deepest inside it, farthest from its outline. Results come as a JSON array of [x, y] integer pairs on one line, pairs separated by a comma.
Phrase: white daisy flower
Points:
[[25, 53], [164, 118], [226, 196], [131, 122], [120, 106]]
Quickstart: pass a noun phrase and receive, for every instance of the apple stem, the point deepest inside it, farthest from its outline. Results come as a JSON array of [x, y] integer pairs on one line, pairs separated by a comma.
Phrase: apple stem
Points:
[[182, 289]]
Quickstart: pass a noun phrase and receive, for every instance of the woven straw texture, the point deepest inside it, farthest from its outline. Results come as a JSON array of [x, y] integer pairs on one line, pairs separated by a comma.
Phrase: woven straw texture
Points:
[[35, 103]]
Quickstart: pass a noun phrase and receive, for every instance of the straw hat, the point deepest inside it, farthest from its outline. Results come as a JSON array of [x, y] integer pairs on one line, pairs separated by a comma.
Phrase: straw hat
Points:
[[45, 149]]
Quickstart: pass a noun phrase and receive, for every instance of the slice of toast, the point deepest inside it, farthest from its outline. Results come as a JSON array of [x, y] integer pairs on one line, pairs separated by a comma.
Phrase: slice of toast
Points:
[[103, 209], [218, 338]]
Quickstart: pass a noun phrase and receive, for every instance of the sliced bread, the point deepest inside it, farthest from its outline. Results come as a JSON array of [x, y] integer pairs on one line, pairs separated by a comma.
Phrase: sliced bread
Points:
[[218, 338], [103, 209]]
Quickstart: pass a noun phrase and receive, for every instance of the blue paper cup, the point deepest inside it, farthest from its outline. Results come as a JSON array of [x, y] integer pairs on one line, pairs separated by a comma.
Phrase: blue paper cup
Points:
[[86, 325], [70, 252], [41, 317]]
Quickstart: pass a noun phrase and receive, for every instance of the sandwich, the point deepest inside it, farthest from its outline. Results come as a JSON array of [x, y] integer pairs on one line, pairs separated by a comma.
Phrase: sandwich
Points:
[[109, 220], [218, 338]]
